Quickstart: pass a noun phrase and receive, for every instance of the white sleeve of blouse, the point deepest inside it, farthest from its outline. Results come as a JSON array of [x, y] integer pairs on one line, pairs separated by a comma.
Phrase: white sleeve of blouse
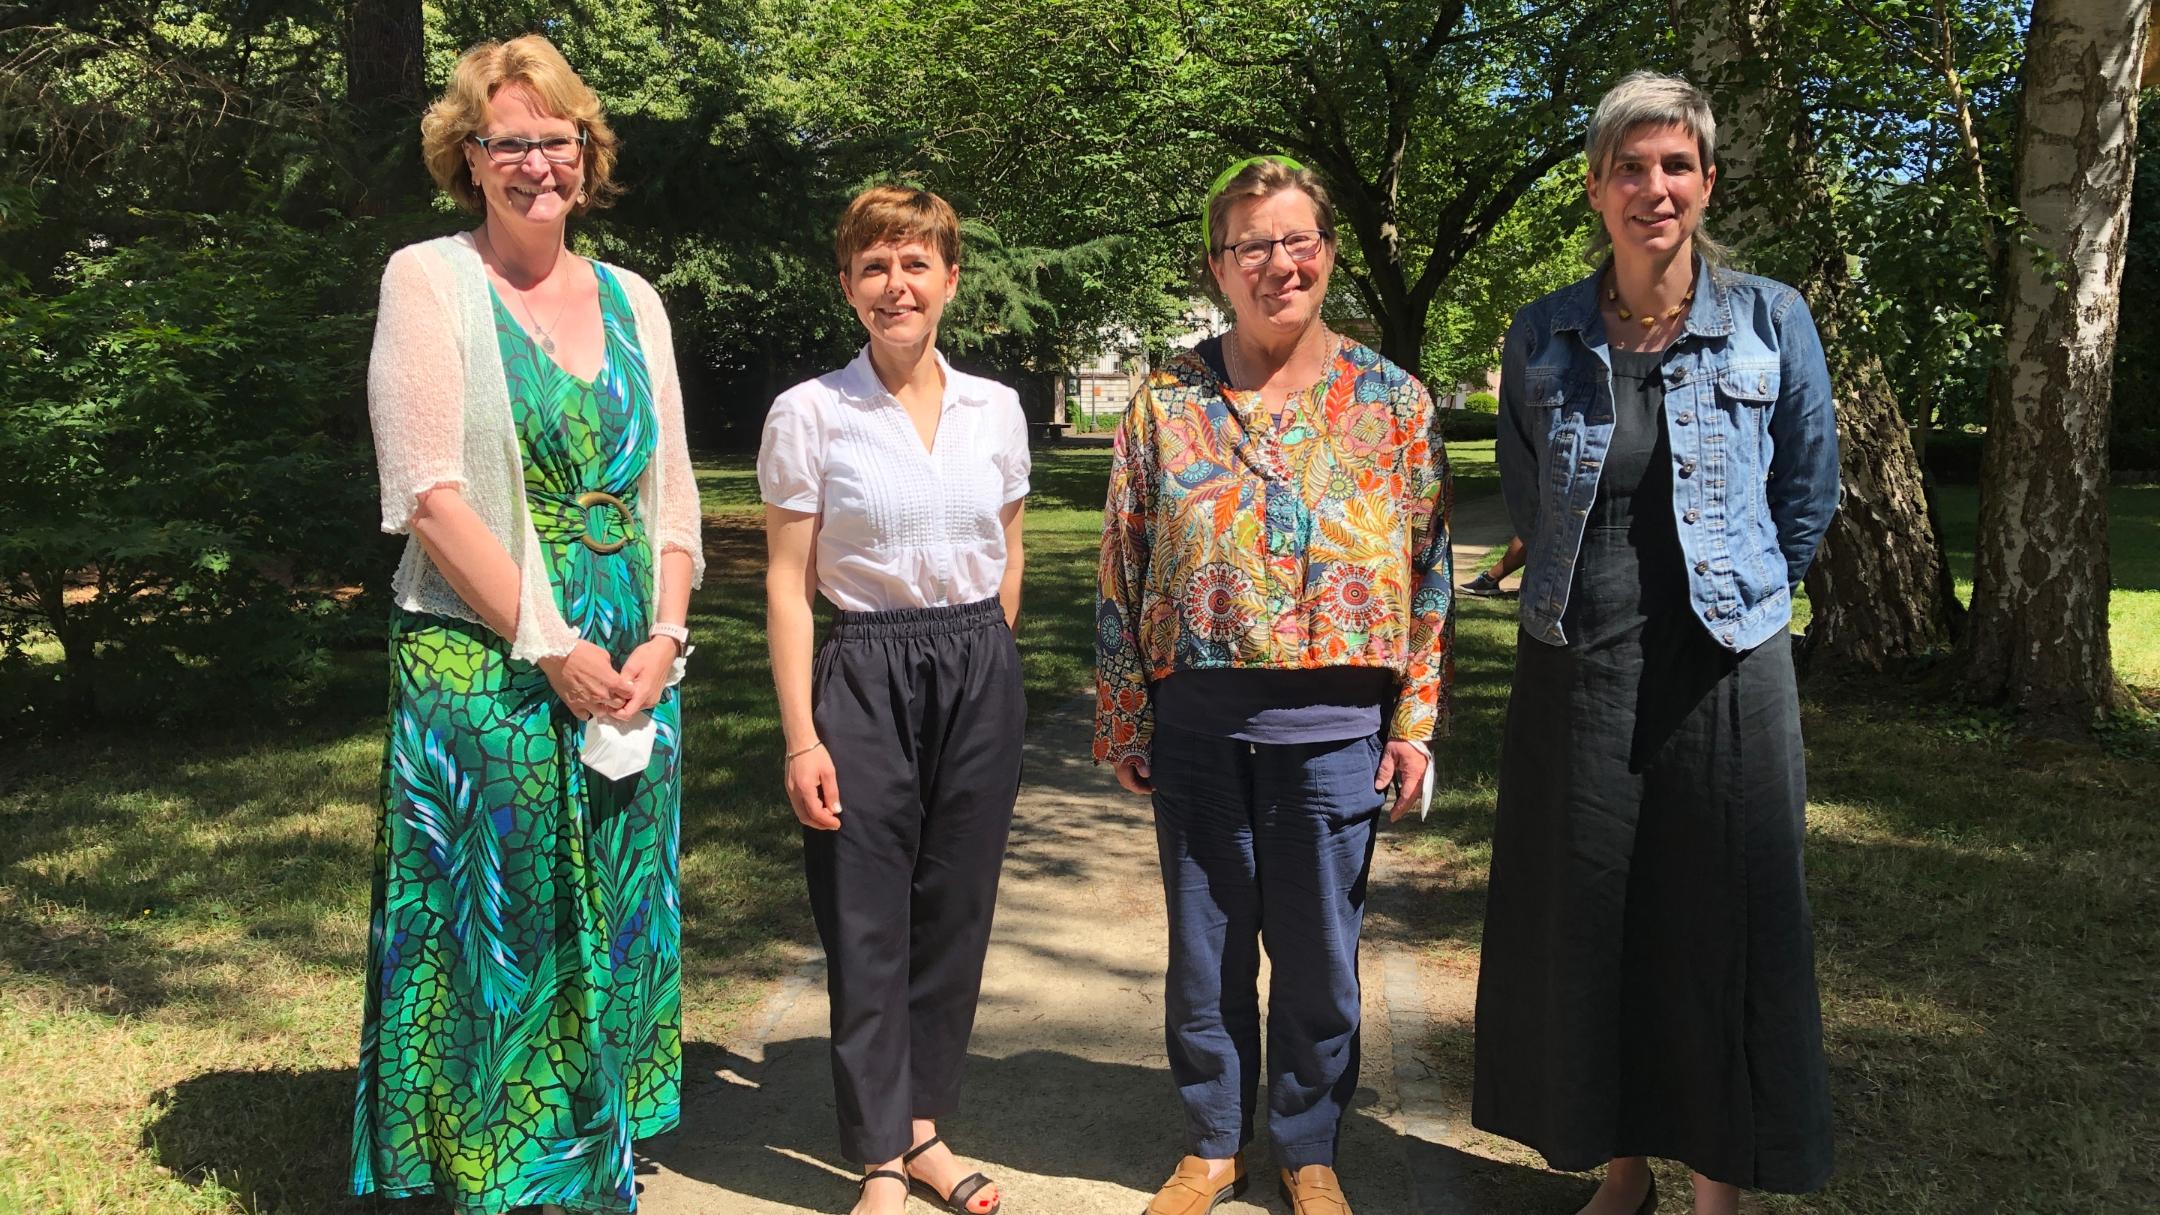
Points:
[[416, 391], [791, 454], [1015, 461], [681, 513]]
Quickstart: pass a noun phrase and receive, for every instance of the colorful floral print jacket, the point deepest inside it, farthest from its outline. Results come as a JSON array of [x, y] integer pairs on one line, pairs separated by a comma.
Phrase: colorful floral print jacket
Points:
[[1230, 540]]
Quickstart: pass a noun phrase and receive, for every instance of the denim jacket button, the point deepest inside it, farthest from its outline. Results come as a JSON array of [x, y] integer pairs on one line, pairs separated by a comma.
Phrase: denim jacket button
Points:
[[1688, 469], [1709, 614], [1727, 638], [1685, 417], [1691, 516], [1702, 567]]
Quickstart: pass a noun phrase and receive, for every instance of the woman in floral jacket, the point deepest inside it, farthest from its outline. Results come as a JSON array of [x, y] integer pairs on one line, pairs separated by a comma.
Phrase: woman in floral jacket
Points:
[[1273, 650]]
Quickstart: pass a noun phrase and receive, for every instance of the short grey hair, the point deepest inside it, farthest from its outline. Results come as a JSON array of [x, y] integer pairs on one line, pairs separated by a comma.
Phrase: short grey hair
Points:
[[1650, 99]]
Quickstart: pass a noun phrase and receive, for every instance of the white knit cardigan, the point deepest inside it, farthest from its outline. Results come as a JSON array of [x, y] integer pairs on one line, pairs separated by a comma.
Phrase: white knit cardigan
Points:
[[440, 409]]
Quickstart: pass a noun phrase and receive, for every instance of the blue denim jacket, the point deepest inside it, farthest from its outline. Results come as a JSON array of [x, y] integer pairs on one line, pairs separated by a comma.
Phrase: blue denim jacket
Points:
[[1753, 436]]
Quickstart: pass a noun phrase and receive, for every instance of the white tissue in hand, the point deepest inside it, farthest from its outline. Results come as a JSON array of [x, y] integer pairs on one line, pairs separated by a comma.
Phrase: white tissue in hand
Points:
[[618, 748]]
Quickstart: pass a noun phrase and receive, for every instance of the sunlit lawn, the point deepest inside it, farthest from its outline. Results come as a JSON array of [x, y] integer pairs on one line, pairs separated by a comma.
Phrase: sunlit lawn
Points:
[[182, 914], [2133, 555]]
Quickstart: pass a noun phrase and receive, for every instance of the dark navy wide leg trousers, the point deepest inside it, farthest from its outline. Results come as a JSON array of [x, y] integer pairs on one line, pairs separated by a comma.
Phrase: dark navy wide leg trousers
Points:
[[923, 711]]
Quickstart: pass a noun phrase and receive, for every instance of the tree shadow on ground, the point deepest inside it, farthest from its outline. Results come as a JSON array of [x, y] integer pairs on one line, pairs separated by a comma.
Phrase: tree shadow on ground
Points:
[[279, 1139], [1039, 1112]]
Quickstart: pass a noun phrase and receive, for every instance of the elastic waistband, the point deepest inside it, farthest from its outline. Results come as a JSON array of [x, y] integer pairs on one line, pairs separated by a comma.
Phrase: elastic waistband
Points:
[[917, 622]]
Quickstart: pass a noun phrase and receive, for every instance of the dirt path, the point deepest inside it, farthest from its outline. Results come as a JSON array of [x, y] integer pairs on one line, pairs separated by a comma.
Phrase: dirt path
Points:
[[1069, 1104]]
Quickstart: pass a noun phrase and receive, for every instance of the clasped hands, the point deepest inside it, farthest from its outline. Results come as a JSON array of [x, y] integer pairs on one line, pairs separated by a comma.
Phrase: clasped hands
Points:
[[588, 684]]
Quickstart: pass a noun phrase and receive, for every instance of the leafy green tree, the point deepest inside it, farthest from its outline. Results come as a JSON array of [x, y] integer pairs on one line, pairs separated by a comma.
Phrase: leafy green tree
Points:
[[177, 457], [1537, 248], [1070, 120], [1827, 109]]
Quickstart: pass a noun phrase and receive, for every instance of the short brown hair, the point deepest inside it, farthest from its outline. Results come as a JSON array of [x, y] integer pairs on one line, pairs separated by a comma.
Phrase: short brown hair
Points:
[[1261, 179], [891, 213], [532, 63]]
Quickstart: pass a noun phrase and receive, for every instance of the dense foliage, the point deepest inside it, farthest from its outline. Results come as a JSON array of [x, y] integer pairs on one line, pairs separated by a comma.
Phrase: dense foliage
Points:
[[2135, 442], [194, 200], [182, 458]]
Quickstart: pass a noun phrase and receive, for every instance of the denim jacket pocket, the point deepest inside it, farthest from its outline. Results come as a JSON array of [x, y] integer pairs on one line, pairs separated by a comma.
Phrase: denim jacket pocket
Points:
[[1753, 384], [1747, 391]]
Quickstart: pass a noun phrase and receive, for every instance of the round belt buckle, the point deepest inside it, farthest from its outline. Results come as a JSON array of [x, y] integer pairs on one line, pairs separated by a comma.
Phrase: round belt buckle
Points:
[[591, 498]]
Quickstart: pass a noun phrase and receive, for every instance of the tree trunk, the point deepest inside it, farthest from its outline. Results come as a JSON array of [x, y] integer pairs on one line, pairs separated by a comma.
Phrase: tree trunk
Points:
[[1876, 591], [385, 88], [2039, 640], [1402, 339]]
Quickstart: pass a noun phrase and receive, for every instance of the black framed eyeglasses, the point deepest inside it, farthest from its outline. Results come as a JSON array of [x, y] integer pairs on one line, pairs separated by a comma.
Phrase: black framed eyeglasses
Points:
[[510, 150], [1301, 246]]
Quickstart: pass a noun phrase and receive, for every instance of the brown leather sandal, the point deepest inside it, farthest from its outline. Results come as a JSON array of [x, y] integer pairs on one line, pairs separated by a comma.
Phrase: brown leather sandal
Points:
[[1190, 1192], [1313, 1190]]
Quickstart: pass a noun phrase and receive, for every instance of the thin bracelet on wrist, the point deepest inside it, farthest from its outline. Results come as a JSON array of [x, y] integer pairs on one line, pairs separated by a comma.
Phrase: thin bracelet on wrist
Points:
[[791, 756]]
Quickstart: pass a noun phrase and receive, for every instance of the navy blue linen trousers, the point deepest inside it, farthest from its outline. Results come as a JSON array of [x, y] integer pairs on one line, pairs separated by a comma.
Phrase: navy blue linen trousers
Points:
[[1264, 844]]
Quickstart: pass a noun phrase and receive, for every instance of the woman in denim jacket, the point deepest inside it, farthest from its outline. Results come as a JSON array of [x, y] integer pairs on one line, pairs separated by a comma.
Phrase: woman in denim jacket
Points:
[[1668, 452]]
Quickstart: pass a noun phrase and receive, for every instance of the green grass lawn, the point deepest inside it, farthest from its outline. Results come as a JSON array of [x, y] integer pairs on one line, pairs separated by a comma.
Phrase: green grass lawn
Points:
[[2134, 569], [2133, 557], [182, 913]]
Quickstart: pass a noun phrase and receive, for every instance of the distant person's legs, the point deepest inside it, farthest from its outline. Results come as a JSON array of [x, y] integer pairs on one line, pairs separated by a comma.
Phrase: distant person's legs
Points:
[[1487, 584]]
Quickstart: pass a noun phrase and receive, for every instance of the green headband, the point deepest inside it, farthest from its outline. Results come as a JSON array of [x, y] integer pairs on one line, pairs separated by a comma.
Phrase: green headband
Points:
[[1223, 179]]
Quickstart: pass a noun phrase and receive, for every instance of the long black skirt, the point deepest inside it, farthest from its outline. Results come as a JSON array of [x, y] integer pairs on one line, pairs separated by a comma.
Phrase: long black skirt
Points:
[[1648, 977]]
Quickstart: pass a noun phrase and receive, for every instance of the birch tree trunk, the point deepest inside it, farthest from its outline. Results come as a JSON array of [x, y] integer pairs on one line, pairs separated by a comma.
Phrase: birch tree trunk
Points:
[[2039, 639], [1877, 590]]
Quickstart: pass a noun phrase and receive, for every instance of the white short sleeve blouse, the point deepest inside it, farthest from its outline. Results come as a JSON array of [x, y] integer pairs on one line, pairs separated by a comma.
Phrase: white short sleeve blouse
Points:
[[899, 526]]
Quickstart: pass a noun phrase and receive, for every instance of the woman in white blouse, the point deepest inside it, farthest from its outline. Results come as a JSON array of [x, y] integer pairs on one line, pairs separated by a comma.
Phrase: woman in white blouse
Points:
[[894, 487]]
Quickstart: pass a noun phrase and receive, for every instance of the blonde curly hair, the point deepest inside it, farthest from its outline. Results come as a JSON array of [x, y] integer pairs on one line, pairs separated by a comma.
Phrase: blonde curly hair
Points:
[[531, 63]]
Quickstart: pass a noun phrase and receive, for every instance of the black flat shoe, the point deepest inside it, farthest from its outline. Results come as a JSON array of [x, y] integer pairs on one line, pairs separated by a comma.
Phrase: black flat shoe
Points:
[[963, 1192]]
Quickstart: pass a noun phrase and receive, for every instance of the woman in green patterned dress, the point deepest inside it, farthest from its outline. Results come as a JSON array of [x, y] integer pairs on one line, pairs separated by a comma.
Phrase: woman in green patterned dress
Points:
[[523, 1024]]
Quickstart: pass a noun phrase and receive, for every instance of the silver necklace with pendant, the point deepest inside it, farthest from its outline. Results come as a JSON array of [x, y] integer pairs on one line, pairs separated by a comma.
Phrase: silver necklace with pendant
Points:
[[547, 331]]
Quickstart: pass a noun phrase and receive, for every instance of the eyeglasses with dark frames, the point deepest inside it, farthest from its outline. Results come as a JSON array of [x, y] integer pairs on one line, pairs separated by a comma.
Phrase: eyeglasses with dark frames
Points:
[[1301, 246], [510, 150]]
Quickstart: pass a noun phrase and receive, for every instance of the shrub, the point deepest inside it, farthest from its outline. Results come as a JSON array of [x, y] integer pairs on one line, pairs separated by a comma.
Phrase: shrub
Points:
[[183, 459], [1460, 424]]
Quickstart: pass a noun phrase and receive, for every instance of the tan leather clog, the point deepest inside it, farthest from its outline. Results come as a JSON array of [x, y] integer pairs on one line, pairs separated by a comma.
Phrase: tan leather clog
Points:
[[1190, 1191], [1313, 1190]]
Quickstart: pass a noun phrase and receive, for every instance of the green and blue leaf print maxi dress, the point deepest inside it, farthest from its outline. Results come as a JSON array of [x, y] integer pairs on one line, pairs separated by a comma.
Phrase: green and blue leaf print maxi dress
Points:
[[523, 1021]]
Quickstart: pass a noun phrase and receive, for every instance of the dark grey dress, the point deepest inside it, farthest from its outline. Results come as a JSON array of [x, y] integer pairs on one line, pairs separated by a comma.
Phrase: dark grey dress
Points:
[[1648, 977]]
